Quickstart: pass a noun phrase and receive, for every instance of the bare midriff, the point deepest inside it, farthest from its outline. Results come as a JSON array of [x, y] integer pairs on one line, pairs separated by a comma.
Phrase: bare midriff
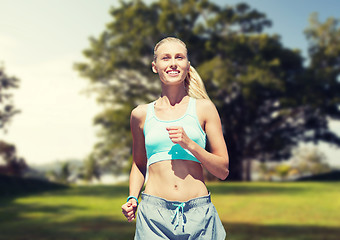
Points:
[[176, 180]]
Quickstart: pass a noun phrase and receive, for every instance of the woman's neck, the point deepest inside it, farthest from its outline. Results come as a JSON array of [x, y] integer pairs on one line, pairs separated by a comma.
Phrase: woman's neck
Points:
[[173, 94]]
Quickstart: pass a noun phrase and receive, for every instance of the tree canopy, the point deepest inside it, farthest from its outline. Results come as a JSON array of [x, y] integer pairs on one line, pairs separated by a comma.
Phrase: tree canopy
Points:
[[11, 163], [7, 109], [267, 99]]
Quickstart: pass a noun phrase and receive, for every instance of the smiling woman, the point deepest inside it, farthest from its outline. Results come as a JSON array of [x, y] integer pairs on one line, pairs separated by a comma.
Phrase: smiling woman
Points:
[[172, 64], [169, 138], [192, 82]]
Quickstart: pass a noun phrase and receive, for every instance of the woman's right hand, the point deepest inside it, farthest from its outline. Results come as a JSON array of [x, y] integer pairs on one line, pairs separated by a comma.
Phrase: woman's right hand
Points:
[[129, 209]]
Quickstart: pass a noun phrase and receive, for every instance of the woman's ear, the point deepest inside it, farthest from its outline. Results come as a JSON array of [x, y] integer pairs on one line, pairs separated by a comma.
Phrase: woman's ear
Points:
[[189, 65], [154, 69]]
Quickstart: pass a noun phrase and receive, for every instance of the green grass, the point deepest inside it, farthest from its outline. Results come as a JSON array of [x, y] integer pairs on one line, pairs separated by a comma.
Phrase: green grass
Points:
[[251, 211]]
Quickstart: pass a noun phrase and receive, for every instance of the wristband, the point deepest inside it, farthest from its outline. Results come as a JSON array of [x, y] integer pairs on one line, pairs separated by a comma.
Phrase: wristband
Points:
[[133, 198]]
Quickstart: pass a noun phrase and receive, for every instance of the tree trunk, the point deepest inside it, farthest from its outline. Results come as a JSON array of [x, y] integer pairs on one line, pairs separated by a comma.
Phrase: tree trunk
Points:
[[247, 171]]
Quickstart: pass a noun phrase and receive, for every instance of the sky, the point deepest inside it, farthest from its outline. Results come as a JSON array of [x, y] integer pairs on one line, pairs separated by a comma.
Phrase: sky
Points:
[[40, 40]]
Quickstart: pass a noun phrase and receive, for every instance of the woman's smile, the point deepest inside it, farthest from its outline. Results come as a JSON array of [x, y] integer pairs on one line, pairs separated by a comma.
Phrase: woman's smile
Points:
[[173, 73]]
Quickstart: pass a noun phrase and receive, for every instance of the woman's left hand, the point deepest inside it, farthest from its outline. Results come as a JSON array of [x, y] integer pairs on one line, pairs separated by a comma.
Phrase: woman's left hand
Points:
[[178, 136]]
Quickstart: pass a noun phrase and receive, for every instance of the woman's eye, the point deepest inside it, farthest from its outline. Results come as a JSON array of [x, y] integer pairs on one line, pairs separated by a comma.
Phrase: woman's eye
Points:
[[179, 57], [165, 58]]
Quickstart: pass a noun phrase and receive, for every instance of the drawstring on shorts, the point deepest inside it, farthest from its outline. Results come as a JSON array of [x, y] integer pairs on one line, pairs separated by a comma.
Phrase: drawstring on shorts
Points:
[[174, 210], [180, 207]]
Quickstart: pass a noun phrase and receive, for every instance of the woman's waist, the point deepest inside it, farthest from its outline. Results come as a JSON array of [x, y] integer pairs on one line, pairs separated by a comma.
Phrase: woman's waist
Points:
[[175, 171], [173, 204], [176, 192], [176, 180]]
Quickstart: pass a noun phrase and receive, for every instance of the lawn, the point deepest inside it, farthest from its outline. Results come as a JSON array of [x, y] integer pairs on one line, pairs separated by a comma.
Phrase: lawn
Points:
[[249, 211]]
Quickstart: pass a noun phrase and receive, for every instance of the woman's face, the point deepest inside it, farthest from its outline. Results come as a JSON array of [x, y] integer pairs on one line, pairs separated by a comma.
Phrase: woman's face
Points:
[[171, 63]]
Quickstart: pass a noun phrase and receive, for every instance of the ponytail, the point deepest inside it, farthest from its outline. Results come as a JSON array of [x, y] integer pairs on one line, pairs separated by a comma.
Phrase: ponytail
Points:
[[194, 85]]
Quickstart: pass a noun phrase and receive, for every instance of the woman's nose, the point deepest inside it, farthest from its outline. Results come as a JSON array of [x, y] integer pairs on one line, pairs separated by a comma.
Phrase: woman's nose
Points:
[[173, 62]]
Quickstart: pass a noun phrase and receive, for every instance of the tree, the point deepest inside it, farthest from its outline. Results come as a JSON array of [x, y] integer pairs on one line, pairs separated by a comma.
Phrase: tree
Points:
[[65, 172], [7, 110], [323, 73], [283, 170], [91, 169], [249, 75], [13, 165], [310, 161]]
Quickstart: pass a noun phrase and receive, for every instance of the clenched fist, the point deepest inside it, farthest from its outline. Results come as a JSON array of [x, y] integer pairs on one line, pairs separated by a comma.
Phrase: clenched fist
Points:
[[129, 209], [178, 136]]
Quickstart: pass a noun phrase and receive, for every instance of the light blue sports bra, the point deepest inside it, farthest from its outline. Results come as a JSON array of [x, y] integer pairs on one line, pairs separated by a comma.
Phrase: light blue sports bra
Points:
[[158, 145]]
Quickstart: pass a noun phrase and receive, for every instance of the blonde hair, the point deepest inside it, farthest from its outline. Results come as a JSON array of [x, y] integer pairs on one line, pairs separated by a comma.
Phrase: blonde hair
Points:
[[193, 83]]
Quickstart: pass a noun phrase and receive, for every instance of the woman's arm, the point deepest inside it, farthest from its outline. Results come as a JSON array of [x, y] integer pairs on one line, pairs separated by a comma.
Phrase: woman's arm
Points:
[[138, 170], [216, 161]]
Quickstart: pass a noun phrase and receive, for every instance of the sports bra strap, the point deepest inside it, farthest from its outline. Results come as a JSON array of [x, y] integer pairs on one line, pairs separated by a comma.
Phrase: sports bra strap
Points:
[[150, 111], [192, 107]]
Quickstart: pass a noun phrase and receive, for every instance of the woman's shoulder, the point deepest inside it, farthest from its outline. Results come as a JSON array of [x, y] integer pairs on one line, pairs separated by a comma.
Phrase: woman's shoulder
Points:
[[206, 109], [205, 104], [139, 112]]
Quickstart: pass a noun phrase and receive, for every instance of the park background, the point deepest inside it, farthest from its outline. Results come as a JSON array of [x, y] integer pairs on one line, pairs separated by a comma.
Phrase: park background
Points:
[[68, 128]]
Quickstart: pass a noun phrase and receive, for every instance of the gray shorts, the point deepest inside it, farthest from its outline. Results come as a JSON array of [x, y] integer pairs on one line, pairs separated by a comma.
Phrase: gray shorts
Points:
[[196, 219]]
